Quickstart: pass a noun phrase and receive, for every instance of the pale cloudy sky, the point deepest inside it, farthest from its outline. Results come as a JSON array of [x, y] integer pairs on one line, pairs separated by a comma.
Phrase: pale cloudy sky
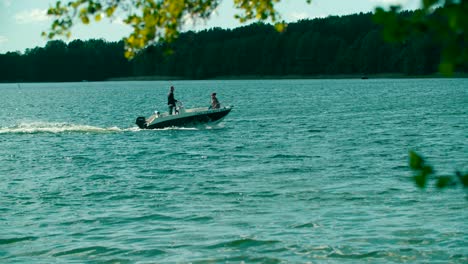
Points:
[[22, 21]]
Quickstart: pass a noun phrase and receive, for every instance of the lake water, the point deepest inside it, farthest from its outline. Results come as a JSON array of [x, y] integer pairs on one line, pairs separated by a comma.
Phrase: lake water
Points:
[[300, 171]]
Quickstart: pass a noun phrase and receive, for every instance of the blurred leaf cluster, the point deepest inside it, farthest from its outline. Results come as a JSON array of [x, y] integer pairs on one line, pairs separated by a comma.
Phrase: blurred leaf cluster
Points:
[[424, 173], [445, 21], [152, 20]]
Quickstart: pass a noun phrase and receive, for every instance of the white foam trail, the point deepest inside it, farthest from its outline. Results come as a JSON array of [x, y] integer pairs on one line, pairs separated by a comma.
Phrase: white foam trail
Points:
[[48, 127], [177, 128], [55, 127]]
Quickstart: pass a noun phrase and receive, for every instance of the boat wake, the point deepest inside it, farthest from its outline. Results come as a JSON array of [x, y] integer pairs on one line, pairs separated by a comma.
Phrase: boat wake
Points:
[[48, 127], [192, 128], [57, 128]]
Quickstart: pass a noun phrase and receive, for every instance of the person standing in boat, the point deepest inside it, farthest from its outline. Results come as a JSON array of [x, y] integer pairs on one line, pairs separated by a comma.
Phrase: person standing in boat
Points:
[[171, 101], [214, 102]]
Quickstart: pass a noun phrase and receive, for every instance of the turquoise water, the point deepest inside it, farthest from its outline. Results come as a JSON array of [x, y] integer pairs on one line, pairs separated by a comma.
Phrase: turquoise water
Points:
[[300, 171]]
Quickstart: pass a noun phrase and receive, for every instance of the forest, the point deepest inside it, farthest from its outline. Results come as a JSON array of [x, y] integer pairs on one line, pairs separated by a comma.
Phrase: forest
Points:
[[331, 46]]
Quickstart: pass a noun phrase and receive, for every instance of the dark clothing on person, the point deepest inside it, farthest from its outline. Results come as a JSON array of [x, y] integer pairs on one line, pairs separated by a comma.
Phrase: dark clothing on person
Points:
[[171, 101], [215, 103]]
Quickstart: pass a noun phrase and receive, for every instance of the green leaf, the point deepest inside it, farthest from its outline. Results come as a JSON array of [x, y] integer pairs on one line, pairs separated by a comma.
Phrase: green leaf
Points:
[[463, 179], [443, 181], [110, 11], [85, 20], [280, 27], [426, 170], [420, 180], [91, 9], [415, 161]]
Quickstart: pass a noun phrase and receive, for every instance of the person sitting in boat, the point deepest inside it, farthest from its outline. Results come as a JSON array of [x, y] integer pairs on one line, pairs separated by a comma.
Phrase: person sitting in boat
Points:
[[214, 102], [171, 101]]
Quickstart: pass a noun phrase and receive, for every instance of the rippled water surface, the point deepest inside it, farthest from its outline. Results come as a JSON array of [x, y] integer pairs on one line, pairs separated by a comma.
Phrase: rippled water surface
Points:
[[300, 171]]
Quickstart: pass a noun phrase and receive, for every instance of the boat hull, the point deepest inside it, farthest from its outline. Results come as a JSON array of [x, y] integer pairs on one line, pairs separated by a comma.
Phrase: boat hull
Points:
[[188, 119]]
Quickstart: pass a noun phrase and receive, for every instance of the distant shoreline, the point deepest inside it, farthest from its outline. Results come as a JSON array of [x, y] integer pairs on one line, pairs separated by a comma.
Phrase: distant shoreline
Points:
[[271, 77], [292, 77]]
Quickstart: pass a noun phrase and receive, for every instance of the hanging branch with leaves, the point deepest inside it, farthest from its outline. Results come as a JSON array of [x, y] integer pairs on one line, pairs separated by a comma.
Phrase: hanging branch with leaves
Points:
[[424, 173], [445, 21], [152, 20]]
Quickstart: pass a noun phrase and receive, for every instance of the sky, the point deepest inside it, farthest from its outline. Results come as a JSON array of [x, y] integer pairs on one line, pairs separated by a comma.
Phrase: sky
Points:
[[23, 21]]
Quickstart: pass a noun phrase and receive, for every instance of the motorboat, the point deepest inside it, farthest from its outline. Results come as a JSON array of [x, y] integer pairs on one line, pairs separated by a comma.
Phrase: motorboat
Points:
[[183, 117]]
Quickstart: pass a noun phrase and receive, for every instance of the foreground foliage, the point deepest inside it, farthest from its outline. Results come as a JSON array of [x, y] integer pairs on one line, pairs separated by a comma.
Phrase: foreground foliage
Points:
[[152, 20], [424, 173], [444, 21]]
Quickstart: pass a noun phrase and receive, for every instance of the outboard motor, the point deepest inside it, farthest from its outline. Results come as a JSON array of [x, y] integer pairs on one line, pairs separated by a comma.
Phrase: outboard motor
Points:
[[141, 122]]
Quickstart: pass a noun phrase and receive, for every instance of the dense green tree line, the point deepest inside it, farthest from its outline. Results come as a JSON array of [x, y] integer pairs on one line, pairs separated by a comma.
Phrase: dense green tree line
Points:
[[57, 61], [325, 46]]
